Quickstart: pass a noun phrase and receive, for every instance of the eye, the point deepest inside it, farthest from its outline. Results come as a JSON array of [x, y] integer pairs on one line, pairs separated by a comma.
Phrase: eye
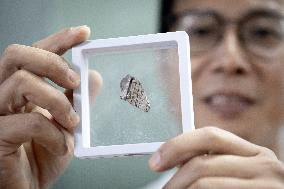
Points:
[[265, 36], [201, 31], [262, 32]]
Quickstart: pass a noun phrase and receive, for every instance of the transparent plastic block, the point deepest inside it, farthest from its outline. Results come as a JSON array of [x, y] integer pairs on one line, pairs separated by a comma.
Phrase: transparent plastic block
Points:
[[122, 120]]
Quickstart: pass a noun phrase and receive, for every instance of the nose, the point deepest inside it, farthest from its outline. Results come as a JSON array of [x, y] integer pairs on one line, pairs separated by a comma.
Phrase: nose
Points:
[[231, 59]]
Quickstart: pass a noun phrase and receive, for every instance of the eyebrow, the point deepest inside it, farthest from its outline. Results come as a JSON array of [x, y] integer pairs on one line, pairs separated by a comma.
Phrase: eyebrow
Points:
[[265, 12], [257, 12]]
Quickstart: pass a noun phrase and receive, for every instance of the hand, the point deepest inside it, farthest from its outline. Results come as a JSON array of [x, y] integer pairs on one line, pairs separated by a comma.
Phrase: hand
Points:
[[36, 119], [214, 158]]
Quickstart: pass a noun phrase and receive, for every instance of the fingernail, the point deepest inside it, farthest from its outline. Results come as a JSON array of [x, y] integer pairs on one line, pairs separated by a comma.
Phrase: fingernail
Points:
[[84, 31], [80, 27], [155, 160], [84, 27], [74, 77], [74, 117]]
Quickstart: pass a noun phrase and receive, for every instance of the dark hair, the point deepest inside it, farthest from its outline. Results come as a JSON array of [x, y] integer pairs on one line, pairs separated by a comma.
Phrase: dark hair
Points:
[[166, 15]]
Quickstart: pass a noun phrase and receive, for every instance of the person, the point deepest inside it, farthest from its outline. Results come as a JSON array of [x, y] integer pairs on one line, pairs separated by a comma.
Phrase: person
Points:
[[237, 68]]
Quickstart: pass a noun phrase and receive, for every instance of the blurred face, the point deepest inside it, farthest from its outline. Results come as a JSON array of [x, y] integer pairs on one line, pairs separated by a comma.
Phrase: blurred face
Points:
[[237, 57]]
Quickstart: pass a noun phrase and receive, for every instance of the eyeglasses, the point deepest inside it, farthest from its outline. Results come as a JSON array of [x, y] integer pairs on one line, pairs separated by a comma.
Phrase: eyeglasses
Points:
[[260, 32]]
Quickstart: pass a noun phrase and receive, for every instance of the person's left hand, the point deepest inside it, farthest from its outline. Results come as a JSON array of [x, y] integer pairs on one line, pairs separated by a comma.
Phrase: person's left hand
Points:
[[213, 158]]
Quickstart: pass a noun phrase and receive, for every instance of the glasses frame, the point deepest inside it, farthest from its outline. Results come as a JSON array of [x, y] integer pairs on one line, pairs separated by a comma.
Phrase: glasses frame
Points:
[[172, 20]]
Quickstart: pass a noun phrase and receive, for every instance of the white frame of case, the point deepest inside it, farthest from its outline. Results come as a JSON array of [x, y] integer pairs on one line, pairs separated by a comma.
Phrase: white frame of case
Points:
[[179, 40]]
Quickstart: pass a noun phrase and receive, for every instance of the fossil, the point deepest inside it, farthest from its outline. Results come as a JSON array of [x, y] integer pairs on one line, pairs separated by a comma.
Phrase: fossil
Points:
[[133, 92]]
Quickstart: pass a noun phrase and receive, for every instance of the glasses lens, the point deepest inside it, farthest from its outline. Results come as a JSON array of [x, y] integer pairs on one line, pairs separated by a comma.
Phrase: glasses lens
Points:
[[203, 30], [263, 35]]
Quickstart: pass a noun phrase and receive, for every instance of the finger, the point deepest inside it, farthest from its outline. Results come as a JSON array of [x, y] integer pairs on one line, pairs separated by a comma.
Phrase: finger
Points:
[[23, 87], [20, 128], [209, 140], [69, 138], [29, 107], [95, 85], [212, 166], [65, 39], [39, 62], [228, 182]]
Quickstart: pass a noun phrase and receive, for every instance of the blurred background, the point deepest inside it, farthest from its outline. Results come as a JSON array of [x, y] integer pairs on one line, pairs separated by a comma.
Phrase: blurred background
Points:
[[25, 22]]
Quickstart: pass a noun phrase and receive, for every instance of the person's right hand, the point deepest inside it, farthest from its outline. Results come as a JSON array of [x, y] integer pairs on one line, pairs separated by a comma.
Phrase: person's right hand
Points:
[[36, 119]]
